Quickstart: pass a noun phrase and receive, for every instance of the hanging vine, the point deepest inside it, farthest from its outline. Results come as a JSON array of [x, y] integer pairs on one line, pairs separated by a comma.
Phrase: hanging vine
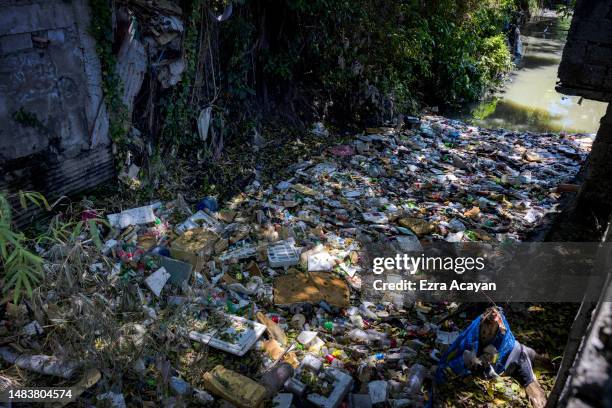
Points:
[[181, 107], [101, 28]]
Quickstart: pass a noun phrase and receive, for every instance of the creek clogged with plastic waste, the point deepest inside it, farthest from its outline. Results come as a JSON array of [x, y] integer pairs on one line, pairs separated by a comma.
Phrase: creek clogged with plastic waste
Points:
[[262, 296], [529, 101]]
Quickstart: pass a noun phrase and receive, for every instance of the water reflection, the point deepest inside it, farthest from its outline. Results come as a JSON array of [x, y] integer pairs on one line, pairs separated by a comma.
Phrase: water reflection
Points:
[[537, 61], [508, 114], [530, 102]]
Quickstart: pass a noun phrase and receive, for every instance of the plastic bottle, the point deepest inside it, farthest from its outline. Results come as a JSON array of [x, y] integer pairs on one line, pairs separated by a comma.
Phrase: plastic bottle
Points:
[[337, 327], [359, 336], [161, 250], [416, 375], [374, 359], [398, 356], [333, 361], [365, 311], [209, 203], [357, 321], [359, 351], [379, 338], [352, 310]]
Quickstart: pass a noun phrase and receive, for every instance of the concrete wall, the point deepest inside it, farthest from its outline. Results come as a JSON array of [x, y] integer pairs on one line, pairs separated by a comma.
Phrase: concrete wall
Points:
[[586, 70], [586, 67], [53, 124], [589, 384]]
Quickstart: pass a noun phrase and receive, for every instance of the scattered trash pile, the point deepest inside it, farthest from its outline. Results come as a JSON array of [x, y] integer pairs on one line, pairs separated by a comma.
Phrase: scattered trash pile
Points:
[[260, 300]]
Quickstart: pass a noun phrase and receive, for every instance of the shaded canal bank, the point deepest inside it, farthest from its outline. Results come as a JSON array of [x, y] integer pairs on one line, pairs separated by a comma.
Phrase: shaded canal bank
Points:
[[529, 101]]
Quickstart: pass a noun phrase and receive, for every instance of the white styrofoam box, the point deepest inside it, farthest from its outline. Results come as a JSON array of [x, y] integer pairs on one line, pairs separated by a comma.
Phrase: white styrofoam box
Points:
[[283, 254], [245, 340]]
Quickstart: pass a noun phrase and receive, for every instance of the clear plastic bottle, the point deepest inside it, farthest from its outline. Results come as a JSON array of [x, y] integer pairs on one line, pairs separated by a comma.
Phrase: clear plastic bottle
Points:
[[366, 310], [359, 336], [379, 338], [416, 376], [357, 321], [337, 327]]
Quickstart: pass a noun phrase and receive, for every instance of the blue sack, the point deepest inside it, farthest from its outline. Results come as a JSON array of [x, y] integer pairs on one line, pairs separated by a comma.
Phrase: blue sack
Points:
[[452, 359], [209, 203]]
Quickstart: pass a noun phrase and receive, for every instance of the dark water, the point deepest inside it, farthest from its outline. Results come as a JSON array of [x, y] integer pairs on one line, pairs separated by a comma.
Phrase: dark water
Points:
[[529, 101]]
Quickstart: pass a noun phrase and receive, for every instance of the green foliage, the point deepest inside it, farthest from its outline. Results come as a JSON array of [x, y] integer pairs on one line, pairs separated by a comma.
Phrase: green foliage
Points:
[[67, 251], [533, 6], [27, 118], [355, 60], [71, 232], [567, 9], [179, 111], [21, 268], [239, 35], [368, 57], [470, 53], [101, 30], [485, 109]]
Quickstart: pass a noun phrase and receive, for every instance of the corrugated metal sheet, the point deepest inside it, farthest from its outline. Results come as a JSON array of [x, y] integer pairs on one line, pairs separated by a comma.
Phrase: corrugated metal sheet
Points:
[[54, 180]]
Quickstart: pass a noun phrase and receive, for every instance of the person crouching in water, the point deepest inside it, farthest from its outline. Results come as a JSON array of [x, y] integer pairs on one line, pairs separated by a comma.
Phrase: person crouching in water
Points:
[[488, 348]]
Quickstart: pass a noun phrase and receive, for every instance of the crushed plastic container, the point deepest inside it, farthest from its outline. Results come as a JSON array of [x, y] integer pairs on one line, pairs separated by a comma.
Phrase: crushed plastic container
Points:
[[341, 385], [283, 254], [416, 376], [233, 387]]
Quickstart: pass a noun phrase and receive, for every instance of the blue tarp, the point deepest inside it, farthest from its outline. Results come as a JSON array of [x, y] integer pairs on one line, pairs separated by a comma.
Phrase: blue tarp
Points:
[[452, 359]]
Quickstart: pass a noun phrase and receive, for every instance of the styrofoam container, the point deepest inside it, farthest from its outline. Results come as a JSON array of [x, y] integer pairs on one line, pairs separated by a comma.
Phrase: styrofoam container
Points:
[[244, 343]]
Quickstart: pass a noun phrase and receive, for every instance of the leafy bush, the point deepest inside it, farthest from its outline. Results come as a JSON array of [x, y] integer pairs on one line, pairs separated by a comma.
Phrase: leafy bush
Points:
[[350, 61], [21, 268], [369, 58]]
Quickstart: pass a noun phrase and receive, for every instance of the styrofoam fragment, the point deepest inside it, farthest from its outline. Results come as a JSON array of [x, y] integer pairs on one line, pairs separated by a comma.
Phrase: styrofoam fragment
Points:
[[321, 261], [157, 280], [342, 383], [140, 215], [244, 341], [199, 220], [246, 251], [307, 337], [283, 254]]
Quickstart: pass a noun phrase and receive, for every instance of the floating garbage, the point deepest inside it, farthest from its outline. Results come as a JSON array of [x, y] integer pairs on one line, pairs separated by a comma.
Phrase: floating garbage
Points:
[[233, 387], [157, 280], [283, 254], [236, 336], [274, 276], [42, 364], [134, 216]]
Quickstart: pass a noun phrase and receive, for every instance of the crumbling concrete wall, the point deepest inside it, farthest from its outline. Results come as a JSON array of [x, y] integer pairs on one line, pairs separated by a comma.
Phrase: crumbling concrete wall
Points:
[[586, 70], [597, 188], [586, 67], [590, 380], [53, 122]]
